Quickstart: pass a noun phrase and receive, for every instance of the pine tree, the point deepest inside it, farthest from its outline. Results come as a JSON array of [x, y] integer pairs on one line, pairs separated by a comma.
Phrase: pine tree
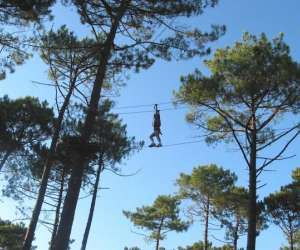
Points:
[[283, 209], [203, 187], [159, 218], [252, 85], [231, 210]]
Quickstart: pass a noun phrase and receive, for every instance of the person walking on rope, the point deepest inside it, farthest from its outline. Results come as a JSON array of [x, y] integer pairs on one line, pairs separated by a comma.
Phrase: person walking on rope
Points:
[[156, 125]]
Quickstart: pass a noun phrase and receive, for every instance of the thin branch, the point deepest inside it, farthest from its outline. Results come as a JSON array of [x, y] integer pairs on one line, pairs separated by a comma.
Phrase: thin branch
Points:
[[123, 175], [278, 137], [281, 152]]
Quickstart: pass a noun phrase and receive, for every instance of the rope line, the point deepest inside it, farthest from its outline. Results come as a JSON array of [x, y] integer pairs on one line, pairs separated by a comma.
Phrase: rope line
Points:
[[145, 105], [150, 111], [181, 143]]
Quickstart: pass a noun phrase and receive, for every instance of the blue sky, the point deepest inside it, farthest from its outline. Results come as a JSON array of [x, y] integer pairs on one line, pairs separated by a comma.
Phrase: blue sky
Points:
[[159, 168]]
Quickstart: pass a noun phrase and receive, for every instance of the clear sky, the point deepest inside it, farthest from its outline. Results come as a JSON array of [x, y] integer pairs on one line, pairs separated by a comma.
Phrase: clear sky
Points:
[[159, 168]]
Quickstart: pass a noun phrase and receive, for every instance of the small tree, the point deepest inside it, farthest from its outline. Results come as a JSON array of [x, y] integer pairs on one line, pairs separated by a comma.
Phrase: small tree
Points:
[[283, 209], [203, 187], [160, 218], [252, 86], [231, 210], [296, 243], [200, 246]]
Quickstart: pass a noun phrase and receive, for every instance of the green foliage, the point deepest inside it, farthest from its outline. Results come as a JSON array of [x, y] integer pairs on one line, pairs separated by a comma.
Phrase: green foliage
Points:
[[283, 210], [11, 235], [144, 24], [255, 75], [200, 246], [109, 140], [24, 122], [22, 12], [159, 218], [70, 59], [205, 187], [296, 242], [252, 85], [208, 181], [231, 210], [13, 49], [12, 53], [296, 175]]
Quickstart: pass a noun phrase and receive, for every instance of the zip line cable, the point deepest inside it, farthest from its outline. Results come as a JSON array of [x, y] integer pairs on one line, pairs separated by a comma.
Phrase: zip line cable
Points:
[[142, 105], [146, 105], [150, 111], [130, 106], [181, 143]]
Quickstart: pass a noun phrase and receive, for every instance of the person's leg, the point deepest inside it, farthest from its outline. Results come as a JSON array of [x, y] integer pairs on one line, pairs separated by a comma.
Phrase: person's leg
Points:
[[158, 138], [152, 140]]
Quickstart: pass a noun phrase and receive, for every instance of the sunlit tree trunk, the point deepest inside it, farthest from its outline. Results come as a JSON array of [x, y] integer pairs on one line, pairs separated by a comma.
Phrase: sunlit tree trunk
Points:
[[93, 204], [235, 234], [206, 219], [252, 187], [58, 207]]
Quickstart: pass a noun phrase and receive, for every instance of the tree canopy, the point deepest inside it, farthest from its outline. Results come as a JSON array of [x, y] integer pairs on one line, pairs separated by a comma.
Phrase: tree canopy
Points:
[[204, 186], [24, 122], [22, 12], [160, 218]]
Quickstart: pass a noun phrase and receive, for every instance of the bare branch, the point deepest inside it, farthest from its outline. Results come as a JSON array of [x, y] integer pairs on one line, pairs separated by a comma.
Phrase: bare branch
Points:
[[280, 153]]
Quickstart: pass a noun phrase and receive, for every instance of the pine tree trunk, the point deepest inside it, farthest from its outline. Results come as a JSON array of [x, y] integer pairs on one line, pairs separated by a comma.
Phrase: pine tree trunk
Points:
[[4, 159], [235, 234], [70, 203], [92, 208], [292, 244], [157, 244], [291, 240], [252, 192], [159, 233], [46, 173], [235, 244], [206, 225], [57, 213]]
